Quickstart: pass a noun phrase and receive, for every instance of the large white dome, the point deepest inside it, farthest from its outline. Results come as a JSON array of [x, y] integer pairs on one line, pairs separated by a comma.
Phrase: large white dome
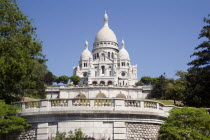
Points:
[[123, 54], [105, 37], [86, 54], [105, 34]]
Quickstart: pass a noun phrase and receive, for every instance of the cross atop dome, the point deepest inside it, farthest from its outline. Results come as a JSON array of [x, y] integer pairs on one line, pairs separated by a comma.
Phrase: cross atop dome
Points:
[[86, 44], [106, 19], [123, 43]]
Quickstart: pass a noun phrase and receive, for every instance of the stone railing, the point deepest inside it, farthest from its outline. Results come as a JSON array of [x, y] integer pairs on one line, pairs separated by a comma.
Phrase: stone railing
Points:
[[132, 103], [59, 103], [149, 104], [80, 102], [91, 103], [32, 104], [103, 102]]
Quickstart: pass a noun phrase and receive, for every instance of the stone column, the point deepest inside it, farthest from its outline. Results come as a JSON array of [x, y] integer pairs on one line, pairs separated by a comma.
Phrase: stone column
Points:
[[42, 131], [69, 103], [119, 131]]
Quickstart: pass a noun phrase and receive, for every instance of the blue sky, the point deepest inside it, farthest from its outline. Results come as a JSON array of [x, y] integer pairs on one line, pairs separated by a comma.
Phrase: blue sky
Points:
[[159, 35]]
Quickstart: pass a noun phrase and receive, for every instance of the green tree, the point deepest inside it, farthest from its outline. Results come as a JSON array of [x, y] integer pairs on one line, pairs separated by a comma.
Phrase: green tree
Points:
[[146, 80], [75, 79], [198, 89], [76, 135], [139, 83], [60, 136], [186, 124], [49, 78], [176, 88], [9, 121], [159, 88], [63, 79], [20, 53]]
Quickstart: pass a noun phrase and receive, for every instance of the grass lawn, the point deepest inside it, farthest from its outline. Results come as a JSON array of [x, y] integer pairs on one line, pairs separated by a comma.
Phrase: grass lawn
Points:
[[165, 102], [29, 99]]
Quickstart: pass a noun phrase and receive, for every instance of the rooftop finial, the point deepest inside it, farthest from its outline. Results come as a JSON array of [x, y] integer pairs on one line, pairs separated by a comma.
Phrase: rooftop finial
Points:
[[105, 19], [86, 44], [123, 43]]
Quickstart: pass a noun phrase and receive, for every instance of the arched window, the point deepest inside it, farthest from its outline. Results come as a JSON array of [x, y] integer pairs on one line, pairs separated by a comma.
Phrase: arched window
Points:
[[94, 82], [103, 57], [109, 83], [97, 55], [85, 74], [102, 83], [112, 55], [103, 69], [109, 54], [85, 64]]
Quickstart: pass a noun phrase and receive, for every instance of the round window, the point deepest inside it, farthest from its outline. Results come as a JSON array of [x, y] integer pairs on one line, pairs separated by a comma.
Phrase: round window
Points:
[[85, 74], [123, 73]]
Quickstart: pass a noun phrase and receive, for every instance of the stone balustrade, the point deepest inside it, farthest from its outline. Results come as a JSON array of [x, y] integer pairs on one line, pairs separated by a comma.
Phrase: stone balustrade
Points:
[[132, 103], [32, 104], [80, 102], [59, 103], [95, 102]]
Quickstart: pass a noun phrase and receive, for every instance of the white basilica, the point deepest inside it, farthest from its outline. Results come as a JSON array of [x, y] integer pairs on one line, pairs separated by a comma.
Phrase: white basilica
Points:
[[106, 65]]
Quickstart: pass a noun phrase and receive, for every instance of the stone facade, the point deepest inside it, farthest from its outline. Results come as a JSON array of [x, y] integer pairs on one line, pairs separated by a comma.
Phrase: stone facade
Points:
[[140, 92], [106, 105], [106, 65], [142, 131], [99, 118]]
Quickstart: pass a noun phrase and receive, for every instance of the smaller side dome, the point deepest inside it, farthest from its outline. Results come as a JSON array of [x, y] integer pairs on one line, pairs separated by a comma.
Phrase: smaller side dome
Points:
[[81, 95], [86, 54], [123, 54], [100, 95], [120, 95]]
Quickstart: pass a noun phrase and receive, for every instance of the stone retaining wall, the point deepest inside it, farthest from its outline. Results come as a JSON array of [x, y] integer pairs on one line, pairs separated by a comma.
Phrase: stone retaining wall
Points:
[[30, 134], [140, 131]]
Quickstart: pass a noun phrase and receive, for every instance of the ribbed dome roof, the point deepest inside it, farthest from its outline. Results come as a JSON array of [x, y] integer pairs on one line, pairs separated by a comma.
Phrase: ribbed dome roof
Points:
[[86, 54], [105, 33], [123, 54]]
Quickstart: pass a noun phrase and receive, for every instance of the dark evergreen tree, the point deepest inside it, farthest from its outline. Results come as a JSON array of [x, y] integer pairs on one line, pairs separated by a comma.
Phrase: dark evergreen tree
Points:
[[198, 89], [159, 88], [63, 79], [49, 78]]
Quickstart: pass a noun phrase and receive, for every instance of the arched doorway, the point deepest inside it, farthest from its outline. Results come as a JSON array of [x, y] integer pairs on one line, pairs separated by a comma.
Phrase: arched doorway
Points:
[[109, 83], [102, 83], [94, 83]]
